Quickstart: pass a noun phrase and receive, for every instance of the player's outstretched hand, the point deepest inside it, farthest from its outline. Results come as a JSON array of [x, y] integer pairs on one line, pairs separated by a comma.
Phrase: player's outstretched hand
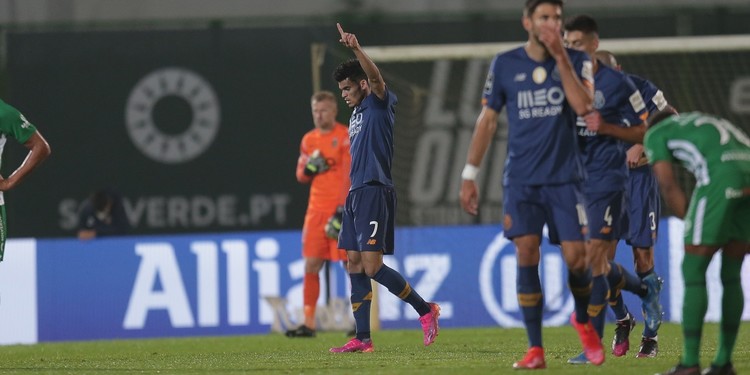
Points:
[[552, 39], [470, 197], [347, 39], [593, 121]]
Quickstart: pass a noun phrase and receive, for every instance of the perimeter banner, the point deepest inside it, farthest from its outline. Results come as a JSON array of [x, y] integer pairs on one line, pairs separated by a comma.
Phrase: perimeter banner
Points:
[[196, 285]]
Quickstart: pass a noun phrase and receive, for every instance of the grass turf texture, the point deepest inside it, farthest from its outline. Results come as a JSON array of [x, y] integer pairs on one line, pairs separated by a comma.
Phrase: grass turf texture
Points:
[[456, 351]]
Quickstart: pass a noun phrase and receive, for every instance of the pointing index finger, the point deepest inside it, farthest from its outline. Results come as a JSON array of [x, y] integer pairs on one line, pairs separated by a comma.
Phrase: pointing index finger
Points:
[[341, 31]]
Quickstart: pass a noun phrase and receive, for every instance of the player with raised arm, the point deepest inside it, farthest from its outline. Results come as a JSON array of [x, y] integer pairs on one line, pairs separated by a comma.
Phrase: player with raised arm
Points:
[[544, 87], [619, 103], [324, 164], [367, 231], [717, 217], [644, 210]]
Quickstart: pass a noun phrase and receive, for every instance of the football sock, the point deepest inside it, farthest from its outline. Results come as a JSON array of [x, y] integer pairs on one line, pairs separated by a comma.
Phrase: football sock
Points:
[[616, 281], [732, 303], [311, 292], [531, 301], [361, 299], [694, 306], [599, 297], [397, 285], [647, 332], [580, 286]]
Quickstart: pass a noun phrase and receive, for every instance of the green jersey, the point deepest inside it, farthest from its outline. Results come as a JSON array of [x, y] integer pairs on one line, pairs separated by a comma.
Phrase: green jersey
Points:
[[13, 124], [705, 145]]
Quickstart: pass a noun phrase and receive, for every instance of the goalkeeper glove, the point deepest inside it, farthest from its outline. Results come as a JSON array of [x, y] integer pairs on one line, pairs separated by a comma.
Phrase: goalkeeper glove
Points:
[[333, 226], [316, 164]]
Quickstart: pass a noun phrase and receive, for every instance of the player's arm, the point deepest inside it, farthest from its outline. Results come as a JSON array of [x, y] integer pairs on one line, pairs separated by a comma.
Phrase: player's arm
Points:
[[302, 177], [578, 92], [38, 151], [670, 189], [484, 130], [632, 134], [374, 78]]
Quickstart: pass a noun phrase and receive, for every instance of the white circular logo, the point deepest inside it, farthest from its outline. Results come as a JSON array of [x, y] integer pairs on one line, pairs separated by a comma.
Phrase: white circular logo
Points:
[[185, 87], [503, 306]]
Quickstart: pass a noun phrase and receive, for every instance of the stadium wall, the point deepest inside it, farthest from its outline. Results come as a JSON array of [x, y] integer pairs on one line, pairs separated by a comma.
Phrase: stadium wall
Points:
[[216, 284]]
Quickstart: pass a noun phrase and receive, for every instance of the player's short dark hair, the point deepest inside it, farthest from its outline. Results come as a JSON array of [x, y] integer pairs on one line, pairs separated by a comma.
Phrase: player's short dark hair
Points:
[[531, 5], [349, 69], [660, 116], [583, 23]]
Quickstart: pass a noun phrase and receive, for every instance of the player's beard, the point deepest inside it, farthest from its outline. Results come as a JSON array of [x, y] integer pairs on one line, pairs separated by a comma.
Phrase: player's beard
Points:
[[536, 37]]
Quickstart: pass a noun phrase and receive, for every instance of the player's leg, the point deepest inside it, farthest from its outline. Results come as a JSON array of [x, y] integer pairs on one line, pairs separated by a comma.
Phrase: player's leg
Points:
[[644, 225], [361, 294], [378, 216], [315, 248], [567, 211], [732, 302], [733, 254], [524, 220]]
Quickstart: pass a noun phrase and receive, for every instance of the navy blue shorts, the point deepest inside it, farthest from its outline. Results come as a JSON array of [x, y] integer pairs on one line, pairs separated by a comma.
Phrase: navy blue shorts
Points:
[[643, 208], [606, 214], [369, 219], [561, 207]]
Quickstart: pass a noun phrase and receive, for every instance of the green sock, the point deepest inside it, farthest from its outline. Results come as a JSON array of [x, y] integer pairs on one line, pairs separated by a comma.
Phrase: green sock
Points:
[[694, 306], [732, 303]]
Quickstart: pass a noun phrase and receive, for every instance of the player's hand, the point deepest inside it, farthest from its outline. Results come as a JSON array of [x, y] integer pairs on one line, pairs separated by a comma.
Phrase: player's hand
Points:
[[316, 163], [470, 197], [347, 39], [4, 184], [551, 37], [593, 121], [634, 156], [333, 226]]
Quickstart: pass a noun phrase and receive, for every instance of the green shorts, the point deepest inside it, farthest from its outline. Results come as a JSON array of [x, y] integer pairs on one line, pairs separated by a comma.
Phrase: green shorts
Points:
[[718, 212]]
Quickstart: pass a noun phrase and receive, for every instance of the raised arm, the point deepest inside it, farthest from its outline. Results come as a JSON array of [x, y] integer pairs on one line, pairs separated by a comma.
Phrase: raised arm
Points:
[[580, 94], [377, 85]]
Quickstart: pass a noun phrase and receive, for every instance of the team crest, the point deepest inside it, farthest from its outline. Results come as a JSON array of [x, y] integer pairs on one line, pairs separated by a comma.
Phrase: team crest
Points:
[[555, 74], [539, 75], [599, 99]]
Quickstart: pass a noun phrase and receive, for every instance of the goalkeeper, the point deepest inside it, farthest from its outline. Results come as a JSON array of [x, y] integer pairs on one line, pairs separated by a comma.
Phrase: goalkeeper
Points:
[[324, 163]]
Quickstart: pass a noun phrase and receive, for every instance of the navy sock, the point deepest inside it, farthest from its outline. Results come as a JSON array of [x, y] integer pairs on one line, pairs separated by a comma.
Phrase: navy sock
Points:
[[599, 296], [531, 301], [396, 284], [361, 300], [580, 287], [647, 332], [616, 282], [633, 283]]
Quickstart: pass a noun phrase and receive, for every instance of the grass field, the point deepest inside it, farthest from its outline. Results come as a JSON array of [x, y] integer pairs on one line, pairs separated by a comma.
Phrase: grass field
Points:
[[456, 351]]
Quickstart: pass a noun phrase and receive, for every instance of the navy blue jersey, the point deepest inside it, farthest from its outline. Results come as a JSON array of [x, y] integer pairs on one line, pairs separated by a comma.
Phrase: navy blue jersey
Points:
[[371, 138], [655, 101], [542, 146], [652, 96], [618, 101]]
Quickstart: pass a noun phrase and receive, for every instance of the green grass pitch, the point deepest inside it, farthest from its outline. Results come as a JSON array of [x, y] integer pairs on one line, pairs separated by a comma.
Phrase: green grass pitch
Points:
[[456, 351]]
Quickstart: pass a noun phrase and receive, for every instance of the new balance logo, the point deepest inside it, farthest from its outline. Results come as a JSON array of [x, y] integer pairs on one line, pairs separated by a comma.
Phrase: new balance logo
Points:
[[520, 77], [372, 241]]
